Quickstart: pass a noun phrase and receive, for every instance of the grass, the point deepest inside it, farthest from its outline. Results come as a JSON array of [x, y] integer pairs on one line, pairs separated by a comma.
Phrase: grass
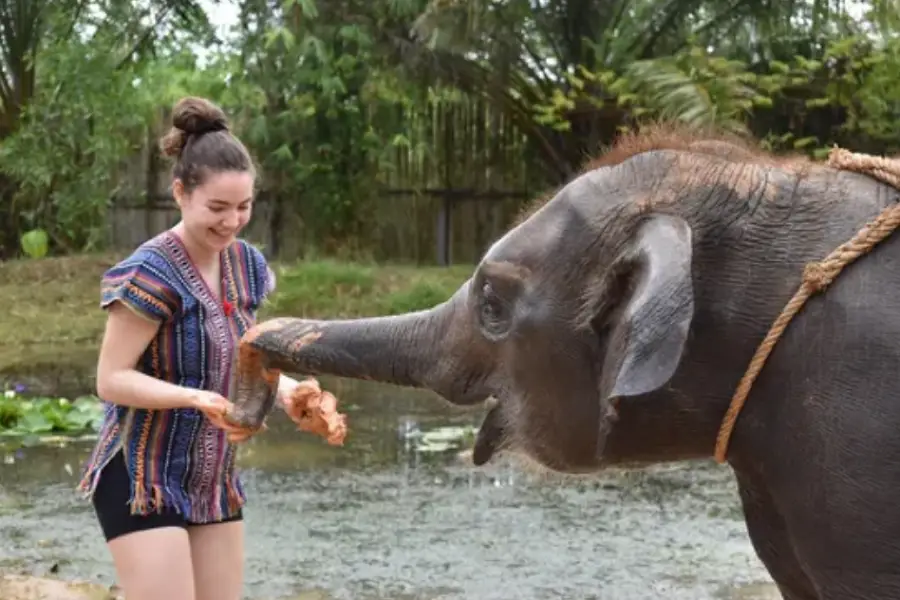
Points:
[[52, 323]]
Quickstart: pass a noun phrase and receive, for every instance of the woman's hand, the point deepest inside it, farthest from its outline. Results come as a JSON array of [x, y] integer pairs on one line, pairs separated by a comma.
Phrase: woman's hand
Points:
[[216, 407]]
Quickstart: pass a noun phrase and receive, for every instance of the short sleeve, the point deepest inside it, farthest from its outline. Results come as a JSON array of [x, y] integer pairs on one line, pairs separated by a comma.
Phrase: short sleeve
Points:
[[270, 281], [141, 284], [265, 276]]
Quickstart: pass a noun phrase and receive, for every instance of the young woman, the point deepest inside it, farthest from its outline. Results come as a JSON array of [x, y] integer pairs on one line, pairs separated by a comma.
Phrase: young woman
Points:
[[162, 476]]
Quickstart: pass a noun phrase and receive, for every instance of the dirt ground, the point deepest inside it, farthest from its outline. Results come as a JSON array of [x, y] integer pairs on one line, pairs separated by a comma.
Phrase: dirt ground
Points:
[[23, 587]]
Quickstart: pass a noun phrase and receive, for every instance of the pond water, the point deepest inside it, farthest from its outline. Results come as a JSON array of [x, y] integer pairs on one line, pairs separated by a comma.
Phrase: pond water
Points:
[[385, 519]]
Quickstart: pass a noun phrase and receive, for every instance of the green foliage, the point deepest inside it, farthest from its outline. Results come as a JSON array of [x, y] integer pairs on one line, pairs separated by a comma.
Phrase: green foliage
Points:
[[35, 243], [32, 417], [310, 285], [93, 100], [334, 106], [328, 287], [864, 81], [325, 122], [854, 79], [421, 295], [694, 87], [703, 90]]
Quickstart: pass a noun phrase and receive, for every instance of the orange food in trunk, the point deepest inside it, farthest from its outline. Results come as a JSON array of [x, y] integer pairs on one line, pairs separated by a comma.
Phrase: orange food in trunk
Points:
[[315, 411]]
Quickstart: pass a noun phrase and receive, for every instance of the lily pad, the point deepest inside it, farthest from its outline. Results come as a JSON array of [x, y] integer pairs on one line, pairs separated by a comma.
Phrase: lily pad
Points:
[[31, 421], [443, 439]]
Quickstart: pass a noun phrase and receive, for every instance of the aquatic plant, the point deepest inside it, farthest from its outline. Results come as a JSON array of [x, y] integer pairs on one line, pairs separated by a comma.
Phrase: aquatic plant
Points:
[[438, 440], [22, 415]]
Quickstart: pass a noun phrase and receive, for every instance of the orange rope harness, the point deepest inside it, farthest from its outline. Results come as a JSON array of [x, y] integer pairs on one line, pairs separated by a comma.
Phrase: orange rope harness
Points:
[[818, 275]]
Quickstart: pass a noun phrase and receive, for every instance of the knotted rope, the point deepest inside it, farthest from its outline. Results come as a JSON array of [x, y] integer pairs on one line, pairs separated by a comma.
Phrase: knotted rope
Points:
[[817, 276]]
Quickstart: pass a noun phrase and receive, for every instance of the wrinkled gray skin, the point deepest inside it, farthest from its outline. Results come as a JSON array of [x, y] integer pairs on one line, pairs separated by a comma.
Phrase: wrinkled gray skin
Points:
[[653, 281]]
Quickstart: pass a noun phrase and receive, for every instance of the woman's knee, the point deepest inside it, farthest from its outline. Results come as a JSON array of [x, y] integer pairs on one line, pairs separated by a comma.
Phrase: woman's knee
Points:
[[154, 563]]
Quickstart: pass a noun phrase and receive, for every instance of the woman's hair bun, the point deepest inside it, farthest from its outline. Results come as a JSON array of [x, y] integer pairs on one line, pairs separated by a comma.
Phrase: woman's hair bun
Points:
[[192, 116]]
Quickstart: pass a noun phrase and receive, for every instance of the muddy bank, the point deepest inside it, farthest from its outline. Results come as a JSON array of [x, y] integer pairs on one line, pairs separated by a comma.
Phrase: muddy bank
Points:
[[14, 587], [23, 587]]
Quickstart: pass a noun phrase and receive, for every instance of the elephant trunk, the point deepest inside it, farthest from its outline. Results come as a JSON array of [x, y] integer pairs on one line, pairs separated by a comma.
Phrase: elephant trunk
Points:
[[401, 350]]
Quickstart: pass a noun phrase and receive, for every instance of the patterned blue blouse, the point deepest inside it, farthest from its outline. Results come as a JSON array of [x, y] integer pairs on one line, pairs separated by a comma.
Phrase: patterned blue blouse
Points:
[[176, 458]]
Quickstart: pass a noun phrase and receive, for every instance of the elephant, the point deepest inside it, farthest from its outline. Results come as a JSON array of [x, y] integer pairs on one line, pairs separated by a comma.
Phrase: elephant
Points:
[[612, 322]]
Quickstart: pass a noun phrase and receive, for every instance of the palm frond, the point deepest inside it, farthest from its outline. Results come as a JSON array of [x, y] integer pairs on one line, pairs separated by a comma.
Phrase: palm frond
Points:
[[696, 90]]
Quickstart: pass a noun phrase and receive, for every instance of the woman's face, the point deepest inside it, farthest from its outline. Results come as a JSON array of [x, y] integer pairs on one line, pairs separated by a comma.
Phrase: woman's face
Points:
[[214, 213]]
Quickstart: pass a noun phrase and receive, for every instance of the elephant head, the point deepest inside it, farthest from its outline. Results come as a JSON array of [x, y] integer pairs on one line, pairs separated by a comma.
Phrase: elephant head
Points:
[[583, 315]]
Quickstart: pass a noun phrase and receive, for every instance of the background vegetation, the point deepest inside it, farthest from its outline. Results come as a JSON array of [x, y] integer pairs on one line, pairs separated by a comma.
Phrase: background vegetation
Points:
[[367, 117], [358, 111]]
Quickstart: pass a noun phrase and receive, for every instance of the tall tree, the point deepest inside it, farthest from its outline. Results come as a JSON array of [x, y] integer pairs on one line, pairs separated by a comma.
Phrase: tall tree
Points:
[[47, 48]]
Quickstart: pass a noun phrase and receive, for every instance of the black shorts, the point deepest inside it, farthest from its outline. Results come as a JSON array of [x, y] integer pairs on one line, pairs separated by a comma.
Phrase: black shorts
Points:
[[110, 500]]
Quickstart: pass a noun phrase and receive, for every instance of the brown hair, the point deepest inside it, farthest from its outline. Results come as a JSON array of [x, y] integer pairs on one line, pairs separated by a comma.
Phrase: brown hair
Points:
[[201, 143]]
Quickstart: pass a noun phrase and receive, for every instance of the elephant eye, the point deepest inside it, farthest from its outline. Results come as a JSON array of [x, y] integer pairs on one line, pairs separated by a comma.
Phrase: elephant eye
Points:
[[493, 313], [490, 310]]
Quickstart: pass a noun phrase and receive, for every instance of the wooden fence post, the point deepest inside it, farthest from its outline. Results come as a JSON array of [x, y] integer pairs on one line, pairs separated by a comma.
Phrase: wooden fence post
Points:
[[444, 230]]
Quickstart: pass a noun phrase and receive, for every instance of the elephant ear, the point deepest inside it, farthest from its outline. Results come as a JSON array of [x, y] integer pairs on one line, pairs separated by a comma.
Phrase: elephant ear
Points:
[[648, 329]]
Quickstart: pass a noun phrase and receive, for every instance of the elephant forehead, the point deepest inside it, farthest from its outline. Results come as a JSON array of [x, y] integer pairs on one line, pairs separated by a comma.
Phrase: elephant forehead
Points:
[[544, 232]]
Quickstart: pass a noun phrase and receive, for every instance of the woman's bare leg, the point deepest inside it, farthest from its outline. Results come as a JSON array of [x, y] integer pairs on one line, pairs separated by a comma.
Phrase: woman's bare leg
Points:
[[218, 559], [154, 564]]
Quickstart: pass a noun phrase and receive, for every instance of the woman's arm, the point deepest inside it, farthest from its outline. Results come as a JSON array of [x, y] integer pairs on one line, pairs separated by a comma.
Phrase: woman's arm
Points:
[[126, 337]]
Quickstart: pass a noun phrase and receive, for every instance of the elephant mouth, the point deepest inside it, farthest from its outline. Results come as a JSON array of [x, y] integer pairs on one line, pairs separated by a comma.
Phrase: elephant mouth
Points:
[[491, 435]]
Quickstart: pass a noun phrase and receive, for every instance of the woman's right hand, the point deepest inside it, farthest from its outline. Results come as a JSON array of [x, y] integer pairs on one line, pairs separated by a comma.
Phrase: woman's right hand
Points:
[[216, 408]]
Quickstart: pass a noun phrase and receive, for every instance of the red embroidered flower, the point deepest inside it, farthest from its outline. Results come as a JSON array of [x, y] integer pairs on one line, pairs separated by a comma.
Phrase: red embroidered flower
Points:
[[228, 307]]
